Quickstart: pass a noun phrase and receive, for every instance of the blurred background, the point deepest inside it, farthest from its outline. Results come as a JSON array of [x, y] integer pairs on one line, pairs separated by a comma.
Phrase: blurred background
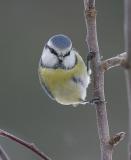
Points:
[[25, 110]]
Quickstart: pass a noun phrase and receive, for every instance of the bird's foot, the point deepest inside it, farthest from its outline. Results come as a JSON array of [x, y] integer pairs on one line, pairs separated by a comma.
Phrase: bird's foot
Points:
[[93, 101], [97, 100]]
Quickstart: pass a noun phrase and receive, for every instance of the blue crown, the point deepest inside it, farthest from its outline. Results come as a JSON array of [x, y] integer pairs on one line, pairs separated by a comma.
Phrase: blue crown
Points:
[[61, 41]]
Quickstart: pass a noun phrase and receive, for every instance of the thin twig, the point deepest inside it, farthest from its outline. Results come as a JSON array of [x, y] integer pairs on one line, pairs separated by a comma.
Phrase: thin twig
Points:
[[117, 138], [3, 155], [127, 25], [30, 146], [119, 60]]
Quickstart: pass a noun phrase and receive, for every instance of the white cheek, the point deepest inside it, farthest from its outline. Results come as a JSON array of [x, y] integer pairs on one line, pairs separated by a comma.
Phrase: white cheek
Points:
[[69, 61], [48, 59]]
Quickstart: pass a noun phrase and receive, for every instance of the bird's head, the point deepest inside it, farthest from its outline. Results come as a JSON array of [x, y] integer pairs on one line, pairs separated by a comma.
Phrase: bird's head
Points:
[[58, 53]]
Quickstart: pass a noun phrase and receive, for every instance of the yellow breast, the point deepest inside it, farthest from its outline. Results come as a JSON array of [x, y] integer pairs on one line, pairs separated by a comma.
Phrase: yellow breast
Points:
[[60, 83]]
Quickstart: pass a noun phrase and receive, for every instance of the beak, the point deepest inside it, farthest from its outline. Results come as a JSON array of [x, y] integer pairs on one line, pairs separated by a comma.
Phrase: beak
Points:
[[60, 58]]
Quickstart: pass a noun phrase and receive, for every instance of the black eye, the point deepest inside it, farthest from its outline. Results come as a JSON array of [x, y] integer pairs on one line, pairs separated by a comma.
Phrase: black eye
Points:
[[67, 54]]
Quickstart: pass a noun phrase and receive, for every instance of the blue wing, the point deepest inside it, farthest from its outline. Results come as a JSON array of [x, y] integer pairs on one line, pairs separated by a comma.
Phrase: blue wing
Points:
[[78, 80]]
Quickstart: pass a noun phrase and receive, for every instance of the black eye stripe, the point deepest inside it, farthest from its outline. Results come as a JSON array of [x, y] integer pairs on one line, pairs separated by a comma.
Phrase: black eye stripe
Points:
[[55, 53], [52, 50], [67, 54]]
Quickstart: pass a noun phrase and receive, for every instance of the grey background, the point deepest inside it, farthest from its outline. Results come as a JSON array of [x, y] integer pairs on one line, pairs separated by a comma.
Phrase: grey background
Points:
[[25, 110]]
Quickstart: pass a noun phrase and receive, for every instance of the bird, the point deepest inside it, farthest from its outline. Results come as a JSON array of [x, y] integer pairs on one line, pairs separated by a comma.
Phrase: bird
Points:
[[62, 72]]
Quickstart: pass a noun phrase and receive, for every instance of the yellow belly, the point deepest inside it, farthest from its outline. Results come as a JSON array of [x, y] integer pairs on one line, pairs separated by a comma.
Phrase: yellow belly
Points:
[[60, 84]]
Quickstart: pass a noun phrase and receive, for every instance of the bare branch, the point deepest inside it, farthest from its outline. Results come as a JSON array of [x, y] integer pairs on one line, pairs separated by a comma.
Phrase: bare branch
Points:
[[30, 146], [106, 144], [98, 80], [127, 25], [117, 138], [119, 60], [3, 155]]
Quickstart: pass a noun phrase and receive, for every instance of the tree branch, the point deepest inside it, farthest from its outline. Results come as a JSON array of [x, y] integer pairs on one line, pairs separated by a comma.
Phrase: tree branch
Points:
[[3, 155], [119, 60], [127, 25], [98, 80], [30, 146]]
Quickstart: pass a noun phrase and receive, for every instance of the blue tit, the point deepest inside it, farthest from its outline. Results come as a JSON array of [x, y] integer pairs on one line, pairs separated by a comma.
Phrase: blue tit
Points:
[[62, 72]]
